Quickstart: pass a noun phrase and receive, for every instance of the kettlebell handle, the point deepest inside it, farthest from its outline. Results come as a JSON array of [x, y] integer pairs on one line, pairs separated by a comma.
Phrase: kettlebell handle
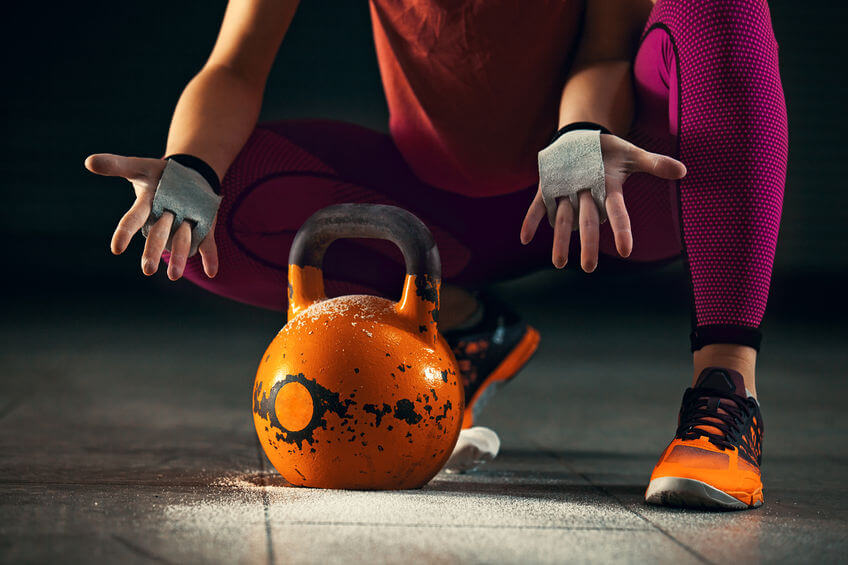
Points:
[[420, 298]]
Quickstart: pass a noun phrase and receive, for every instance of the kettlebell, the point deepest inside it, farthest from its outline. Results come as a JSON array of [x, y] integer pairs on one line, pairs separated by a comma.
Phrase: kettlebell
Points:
[[359, 392]]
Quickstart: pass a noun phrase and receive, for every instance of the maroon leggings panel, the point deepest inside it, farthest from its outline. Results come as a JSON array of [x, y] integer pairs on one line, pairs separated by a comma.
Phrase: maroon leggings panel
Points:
[[289, 170], [707, 91]]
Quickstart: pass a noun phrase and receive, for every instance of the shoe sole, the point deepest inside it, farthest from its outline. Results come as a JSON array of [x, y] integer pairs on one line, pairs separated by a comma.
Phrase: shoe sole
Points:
[[691, 493], [503, 373]]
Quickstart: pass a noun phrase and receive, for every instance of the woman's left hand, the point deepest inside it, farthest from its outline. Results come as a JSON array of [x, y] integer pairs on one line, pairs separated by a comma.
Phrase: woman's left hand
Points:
[[621, 159]]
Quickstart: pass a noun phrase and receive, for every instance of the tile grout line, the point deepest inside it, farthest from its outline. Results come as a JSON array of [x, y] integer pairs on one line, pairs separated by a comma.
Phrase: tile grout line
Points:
[[607, 493], [266, 505], [11, 405], [138, 550], [15, 402], [466, 526], [660, 529], [147, 483]]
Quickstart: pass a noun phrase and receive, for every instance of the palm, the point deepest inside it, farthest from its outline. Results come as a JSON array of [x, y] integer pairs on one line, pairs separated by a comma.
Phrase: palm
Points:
[[144, 174], [144, 189], [621, 159]]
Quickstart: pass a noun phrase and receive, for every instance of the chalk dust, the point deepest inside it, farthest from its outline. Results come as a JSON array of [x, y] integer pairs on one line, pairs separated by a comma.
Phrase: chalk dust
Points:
[[253, 482]]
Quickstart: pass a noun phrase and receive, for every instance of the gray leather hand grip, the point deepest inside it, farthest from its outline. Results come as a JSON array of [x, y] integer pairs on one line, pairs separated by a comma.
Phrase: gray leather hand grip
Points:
[[186, 194], [571, 164]]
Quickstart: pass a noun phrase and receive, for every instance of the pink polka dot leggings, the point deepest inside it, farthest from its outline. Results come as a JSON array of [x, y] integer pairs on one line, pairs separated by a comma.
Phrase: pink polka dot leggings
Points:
[[707, 92]]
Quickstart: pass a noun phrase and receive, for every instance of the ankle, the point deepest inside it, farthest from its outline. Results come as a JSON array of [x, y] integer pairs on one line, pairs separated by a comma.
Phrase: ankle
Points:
[[739, 358]]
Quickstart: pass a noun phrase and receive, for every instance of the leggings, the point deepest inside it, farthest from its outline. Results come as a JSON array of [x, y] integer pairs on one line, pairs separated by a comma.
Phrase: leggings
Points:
[[707, 91]]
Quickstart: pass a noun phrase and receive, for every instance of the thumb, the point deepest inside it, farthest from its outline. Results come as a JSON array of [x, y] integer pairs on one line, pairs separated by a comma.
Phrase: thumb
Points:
[[661, 166], [110, 165]]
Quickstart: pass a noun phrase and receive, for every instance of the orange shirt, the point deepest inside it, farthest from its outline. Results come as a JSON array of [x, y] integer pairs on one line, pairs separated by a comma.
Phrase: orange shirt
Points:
[[473, 86]]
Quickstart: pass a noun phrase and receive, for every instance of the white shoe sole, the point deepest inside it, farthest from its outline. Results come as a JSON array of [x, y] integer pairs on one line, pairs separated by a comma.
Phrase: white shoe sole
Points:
[[690, 493], [475, 446]]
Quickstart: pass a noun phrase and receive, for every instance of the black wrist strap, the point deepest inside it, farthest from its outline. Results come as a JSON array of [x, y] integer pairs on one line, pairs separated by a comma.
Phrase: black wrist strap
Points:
[[201, 167], [579, 125]]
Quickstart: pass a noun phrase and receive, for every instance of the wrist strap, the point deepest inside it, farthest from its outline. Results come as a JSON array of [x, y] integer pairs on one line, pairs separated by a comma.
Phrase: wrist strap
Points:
[[579, 125], [200, 166]]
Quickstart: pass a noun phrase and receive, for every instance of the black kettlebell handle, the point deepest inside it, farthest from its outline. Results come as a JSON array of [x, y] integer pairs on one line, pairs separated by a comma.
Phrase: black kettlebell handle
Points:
[[420, 298], [373, 221]]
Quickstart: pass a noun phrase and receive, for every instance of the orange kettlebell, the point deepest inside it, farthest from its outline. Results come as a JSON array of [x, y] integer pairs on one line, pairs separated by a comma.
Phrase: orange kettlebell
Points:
[[359, 392]]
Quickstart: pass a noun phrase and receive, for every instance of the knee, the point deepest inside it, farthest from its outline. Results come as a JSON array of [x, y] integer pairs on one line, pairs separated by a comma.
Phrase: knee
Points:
[[738, 9], [722, 8], [748, 18], [727, 20]]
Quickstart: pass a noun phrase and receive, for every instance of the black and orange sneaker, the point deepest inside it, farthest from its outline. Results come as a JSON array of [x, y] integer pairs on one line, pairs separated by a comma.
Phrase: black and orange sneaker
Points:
[[714, 459], [490, 353]]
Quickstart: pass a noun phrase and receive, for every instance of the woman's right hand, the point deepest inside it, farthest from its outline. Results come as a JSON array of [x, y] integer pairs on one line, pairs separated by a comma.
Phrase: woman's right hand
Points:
[[144, 174]]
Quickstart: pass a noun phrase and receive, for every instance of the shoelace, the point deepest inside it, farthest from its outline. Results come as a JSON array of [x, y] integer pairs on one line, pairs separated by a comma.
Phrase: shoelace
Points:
[[701, 409]]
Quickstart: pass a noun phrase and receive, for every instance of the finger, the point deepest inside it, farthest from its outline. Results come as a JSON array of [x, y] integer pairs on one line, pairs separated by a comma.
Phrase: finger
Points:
[[157, 238], [209, 254], [180, 246], [534, 215], [111, 165], [589, 221], [661, 166], [129, 224], [562, 233], [619, 221]]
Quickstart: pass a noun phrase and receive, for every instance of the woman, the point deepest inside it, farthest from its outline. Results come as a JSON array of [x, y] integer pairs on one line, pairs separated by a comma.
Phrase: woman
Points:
[[473, 90]]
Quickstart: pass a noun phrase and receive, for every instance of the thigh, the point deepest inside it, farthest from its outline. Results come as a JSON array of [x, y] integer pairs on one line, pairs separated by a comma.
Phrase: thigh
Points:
[[478, 238], [289, 170]]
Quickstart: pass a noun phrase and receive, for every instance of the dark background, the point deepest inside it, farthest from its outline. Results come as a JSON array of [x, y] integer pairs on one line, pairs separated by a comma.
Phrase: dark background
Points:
[[104, 77]]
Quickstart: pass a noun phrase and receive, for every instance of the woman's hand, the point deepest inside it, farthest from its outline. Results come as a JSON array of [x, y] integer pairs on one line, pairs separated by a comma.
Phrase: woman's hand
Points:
[[144, 175], [621, 159]]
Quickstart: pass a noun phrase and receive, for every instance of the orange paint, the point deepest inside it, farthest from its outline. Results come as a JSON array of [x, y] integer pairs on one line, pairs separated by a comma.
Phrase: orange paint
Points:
[[294, 407], [358, 392]]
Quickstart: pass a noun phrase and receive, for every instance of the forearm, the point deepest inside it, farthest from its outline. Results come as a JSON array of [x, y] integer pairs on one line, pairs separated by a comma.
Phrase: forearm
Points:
[[220, 106], [599, 87], [599, 92], [215, 116]]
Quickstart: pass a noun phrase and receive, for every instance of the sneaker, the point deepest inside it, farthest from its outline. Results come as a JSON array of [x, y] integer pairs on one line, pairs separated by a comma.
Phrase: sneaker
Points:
[[476, 446], [490, 353], [714, 459]]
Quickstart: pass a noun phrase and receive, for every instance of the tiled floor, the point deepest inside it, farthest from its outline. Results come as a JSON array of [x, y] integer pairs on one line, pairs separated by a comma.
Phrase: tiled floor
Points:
[[126, 436]]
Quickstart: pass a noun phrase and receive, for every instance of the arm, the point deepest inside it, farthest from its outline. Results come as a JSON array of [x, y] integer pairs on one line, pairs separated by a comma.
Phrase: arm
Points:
[[214, 116], [598, 89], [220, 106]]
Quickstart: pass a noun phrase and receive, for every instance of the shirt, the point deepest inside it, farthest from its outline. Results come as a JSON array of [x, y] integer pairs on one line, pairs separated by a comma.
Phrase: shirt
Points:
[[473, 86]]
